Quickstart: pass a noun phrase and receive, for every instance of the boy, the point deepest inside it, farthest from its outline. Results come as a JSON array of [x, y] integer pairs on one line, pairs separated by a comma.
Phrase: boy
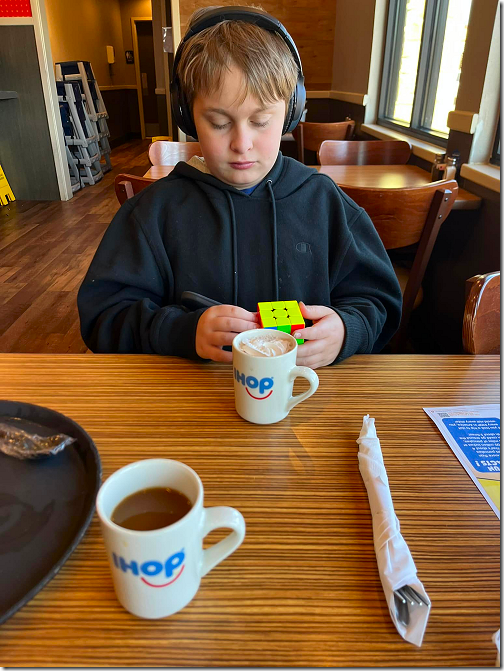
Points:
[[242, 224]]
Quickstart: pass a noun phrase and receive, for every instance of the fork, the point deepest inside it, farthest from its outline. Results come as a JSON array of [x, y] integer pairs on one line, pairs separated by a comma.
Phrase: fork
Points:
[[403, 596]]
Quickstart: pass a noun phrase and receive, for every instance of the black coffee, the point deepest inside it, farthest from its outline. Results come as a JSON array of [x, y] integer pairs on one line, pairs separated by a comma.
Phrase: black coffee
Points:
[[151, 509]]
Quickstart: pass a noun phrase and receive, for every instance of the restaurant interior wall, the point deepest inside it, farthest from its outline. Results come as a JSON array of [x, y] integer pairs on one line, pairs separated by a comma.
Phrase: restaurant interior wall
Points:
[[100, 24], [353, 39], [82, 30], [26, 153], [145, 8], [310, 23], [128, 9]]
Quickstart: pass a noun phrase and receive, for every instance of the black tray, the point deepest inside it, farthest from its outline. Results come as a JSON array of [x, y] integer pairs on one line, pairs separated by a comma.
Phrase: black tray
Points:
[[46, 506]]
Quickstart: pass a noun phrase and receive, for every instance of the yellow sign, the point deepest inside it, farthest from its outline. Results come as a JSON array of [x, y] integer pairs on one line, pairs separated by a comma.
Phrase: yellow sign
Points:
[[6, 195]]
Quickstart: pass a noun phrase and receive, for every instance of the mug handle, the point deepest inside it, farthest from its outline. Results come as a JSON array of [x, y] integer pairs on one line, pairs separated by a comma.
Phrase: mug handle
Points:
[[217, 518], [313, 379]]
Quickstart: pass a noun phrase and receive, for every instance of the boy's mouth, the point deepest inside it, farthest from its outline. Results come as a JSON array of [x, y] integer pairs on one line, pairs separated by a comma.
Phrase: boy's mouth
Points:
[[242, 165]]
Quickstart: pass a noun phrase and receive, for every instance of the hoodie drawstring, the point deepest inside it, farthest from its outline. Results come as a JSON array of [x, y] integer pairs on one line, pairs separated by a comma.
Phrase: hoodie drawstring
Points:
[[234, 243], [275, 239]]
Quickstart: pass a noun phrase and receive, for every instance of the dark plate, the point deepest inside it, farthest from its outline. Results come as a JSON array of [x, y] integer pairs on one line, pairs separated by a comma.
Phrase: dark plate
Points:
[[46, 506]]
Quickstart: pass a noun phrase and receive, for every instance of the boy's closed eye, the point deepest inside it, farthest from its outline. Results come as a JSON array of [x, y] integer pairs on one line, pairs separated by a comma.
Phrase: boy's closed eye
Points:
[[258, 124]]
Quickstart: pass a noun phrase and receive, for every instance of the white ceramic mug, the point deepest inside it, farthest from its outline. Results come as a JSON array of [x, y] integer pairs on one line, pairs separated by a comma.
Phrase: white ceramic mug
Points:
[[263, 384], [158, 572]]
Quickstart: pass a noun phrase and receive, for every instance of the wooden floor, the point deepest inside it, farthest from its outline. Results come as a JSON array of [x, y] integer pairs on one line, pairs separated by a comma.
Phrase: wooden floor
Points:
[[45, 250]]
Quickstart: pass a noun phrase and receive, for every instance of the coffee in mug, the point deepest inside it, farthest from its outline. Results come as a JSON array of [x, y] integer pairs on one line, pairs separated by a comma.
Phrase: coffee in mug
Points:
[[157, 571], [152, 508], [264, 370]]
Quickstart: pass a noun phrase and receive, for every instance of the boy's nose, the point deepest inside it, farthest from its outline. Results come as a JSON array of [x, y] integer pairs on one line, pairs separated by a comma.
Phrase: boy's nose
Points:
[[241, 141]]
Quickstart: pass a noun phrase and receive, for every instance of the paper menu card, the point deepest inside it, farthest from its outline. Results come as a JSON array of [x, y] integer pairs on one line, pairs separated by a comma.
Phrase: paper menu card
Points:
[[473, 433]]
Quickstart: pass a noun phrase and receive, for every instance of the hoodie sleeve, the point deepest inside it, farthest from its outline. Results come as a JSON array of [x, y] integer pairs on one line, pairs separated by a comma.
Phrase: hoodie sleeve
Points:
[[366, 293], [122, 299]]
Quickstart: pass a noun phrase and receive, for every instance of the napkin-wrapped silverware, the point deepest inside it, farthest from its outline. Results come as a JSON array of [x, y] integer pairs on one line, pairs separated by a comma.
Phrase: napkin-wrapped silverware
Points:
[[395, 563]]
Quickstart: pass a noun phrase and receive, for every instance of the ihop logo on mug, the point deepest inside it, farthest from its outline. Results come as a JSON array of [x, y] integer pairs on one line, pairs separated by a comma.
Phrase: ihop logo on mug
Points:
[[156, 571], [265, 384]]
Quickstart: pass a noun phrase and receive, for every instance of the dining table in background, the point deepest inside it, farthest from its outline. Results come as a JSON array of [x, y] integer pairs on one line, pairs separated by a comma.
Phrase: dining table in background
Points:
[[377, 176], [303, 589]]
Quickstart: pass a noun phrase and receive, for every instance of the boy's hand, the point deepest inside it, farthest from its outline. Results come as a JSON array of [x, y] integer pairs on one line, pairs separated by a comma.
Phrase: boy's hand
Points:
[[217, 327], [324, 339]]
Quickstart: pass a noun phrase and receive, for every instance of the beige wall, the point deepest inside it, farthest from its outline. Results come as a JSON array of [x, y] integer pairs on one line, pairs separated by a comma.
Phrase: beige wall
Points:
[[80, 30], [474, 61], [129, 8], [353, 37]]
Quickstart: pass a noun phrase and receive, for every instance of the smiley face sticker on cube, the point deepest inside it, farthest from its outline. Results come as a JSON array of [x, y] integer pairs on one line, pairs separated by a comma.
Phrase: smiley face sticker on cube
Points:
[[281, 316]]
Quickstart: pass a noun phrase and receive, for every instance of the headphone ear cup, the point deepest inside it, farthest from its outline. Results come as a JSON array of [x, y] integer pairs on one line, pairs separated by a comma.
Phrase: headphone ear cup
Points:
[[288, 116], [180, 110], [296, 106]]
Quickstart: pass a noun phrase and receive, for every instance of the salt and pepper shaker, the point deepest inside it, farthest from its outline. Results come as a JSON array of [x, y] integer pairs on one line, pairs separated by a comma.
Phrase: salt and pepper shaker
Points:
[[445, 167], [438, 168], [451, 168]]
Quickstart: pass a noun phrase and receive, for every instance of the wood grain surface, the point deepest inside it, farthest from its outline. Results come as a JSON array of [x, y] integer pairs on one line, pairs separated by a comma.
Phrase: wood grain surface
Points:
[[378, 176], [303, 589], [311, 26], [45, 250]]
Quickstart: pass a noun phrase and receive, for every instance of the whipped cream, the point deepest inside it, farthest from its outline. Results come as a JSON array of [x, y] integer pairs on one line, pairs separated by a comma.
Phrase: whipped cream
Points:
[[265, 345]]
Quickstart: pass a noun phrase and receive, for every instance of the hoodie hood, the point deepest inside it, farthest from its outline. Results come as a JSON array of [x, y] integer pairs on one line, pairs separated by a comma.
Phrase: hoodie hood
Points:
[[286, 176]]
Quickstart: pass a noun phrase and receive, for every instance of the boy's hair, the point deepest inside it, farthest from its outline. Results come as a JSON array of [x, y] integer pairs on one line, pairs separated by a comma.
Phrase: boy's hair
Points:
[[269, 70]]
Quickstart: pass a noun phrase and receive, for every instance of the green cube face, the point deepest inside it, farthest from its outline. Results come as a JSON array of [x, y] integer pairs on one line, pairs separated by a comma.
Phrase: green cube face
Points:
[[286, 328]]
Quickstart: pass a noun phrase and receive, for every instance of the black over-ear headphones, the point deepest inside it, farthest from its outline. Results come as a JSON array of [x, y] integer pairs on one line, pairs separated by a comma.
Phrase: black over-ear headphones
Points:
[[180, 109]]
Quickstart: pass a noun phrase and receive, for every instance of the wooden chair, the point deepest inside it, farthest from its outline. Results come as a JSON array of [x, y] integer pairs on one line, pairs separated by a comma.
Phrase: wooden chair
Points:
[[481, 324], [170, 153], [404, 217], [311, 135], [357, 152], [126, 186]]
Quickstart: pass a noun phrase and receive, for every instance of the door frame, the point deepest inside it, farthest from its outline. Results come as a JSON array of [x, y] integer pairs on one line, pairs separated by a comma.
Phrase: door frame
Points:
[[177, 38], [134, 35]]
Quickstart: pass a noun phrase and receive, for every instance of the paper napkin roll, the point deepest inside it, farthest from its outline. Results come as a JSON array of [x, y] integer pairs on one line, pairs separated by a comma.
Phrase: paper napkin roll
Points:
[[395, 563]]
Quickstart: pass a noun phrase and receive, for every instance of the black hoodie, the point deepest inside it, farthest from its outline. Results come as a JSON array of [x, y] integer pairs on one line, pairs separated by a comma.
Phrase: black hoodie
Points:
[[296, 237]]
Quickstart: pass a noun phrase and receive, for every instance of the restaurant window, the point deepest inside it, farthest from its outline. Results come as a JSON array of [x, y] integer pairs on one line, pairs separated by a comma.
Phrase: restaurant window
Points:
[[422, 63]]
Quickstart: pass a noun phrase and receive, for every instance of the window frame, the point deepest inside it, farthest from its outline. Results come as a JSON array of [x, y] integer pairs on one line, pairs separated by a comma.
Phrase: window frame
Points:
[[495, 158], [431, 48]]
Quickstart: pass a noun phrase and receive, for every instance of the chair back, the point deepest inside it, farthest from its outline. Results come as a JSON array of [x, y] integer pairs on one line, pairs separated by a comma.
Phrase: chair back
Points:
[[126, 186], [364, 152], [170, 153], [310, 135], [481, 324], [404, 217]]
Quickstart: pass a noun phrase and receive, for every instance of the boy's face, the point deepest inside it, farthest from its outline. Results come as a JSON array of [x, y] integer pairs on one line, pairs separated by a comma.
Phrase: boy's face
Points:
[[239, 142]]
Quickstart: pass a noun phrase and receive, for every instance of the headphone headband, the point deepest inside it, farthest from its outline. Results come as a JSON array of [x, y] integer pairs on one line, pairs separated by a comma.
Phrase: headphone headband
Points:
[[180, 109]]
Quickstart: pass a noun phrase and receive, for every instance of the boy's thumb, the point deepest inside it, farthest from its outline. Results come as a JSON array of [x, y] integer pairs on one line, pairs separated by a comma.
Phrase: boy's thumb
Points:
[[314, 312]]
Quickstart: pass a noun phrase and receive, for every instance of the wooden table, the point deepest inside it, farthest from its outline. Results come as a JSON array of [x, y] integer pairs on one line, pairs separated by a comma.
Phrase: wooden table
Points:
[[303, 589], [379, 176]]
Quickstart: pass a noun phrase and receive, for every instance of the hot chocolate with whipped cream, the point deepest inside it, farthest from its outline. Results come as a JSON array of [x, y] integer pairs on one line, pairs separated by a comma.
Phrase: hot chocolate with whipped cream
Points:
[[266, 345]]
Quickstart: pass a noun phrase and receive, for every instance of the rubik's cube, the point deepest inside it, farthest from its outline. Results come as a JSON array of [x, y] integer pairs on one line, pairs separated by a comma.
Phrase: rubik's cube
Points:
[[282, 316]]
